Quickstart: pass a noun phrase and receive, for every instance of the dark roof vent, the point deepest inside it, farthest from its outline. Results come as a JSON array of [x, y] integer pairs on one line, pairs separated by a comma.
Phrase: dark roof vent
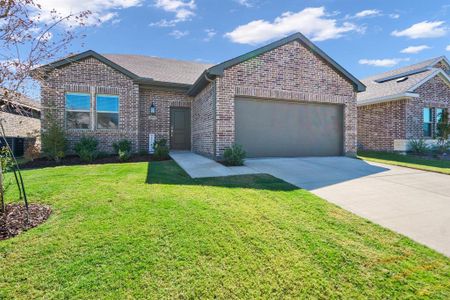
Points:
[[401, 79]]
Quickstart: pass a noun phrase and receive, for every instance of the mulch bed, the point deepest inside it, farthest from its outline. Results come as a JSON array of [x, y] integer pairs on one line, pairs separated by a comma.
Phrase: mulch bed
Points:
[[14, 220], [75, 160]]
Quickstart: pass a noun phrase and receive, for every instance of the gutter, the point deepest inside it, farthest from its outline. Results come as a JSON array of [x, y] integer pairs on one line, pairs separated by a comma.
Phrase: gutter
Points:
[[406, 95]]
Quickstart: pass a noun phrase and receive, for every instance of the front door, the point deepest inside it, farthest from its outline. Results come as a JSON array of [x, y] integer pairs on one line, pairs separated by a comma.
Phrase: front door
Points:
[[180, 128]]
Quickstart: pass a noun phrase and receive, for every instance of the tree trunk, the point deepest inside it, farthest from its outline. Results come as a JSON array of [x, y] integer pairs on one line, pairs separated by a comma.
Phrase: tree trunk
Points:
[[2, 198]]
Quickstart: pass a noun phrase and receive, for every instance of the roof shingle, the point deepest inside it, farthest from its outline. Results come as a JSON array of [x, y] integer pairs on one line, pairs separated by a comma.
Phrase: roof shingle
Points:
[[160, 69]]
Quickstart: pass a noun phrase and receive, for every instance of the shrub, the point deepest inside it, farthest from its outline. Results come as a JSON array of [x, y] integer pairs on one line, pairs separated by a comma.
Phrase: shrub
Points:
[[123, 149], [161, 150], [418, 146], [86, 149], [31, 152], [234, 155], [54, 142], [442, 147]]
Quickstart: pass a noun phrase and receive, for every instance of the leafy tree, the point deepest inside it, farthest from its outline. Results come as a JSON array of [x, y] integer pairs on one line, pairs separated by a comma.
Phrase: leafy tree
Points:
[[28, 42]]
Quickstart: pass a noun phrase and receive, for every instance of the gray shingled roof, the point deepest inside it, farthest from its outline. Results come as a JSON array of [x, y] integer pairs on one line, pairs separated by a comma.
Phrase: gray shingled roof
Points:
[[375, 90], [160, 69]]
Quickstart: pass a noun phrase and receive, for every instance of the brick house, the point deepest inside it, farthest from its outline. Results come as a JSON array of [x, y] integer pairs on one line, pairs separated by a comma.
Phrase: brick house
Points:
[[287, 98], [404, 104], [20, 118]]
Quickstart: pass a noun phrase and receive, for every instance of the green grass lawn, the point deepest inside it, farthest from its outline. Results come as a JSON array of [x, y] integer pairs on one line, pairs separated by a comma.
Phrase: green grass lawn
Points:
[[440, 166], [113, 236]]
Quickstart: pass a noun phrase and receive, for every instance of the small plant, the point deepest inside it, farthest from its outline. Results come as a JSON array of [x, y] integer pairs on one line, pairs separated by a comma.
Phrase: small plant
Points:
[[234, 155], [161, 150], [86, 149], [123, 149], [442, 147], [54, 142], [418, 146], [32, 152]]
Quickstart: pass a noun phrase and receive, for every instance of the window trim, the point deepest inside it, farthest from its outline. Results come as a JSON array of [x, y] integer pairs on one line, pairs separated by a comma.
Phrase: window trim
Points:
[[76, 110], [110, 112], [430, 123]]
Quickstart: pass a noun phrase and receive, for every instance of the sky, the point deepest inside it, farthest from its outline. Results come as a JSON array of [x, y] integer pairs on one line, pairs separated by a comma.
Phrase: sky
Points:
[[365, 37]]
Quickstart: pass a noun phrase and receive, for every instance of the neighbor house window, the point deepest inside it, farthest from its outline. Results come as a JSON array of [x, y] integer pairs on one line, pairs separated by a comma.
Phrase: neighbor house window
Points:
[[78, 111], [427, 122], [107, 112]]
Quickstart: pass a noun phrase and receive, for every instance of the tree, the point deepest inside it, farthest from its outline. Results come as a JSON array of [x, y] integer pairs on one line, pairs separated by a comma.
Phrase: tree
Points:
[[26, 43]]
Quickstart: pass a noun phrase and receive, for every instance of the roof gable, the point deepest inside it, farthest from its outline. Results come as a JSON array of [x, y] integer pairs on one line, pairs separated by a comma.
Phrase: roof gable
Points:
[[402, 83], [86, 54], [218, 70]]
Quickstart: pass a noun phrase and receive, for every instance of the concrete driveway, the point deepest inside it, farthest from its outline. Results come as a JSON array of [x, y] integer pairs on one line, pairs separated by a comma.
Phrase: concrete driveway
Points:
[[412, 202]]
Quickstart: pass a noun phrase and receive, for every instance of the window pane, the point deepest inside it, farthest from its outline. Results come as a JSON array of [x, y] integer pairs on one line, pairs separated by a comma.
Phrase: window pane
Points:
[[427, 115], [427, 129], [107, 120], [78, 102], [439, 115], [79, 120], [107, 103]]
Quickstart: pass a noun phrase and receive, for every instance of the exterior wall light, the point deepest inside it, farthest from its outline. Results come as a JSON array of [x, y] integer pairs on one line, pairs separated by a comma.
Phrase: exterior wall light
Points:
[[152, 109]]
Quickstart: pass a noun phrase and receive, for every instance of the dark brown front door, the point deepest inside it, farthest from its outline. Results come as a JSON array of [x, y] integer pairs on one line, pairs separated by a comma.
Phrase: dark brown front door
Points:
[[180, 128]]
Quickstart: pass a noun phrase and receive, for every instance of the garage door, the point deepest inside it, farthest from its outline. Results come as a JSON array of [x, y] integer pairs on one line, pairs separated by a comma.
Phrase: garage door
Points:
[[280, 128]]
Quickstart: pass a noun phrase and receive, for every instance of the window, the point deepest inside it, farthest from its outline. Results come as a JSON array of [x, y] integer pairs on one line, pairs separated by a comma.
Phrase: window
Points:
[[441, 115], [427, 122], [107, 112], [78, 111]]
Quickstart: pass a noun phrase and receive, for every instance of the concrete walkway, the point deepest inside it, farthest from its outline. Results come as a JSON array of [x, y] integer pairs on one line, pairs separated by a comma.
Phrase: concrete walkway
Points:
[[412, 202], [198, 166]]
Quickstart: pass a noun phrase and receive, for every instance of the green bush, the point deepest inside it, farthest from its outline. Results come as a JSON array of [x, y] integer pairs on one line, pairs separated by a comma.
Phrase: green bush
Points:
[[234, 155], [441, 147], [161, 150], [123, 149], [418, 146], [86, 149], [54, 142]]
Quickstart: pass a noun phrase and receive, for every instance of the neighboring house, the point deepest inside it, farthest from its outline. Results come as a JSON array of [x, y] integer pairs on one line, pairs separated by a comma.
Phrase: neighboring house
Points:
[[20, 118], [285, 99], [403, 105]]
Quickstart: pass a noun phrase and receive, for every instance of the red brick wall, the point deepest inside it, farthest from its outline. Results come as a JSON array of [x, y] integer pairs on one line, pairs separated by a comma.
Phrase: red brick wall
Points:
[[379, 124], [203, 121], [434, 93], [91, 76], [163, 100], [289, 68]]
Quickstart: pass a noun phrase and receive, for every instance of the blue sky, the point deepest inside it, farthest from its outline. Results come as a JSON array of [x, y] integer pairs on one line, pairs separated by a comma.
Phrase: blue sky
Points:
[[366, 37]]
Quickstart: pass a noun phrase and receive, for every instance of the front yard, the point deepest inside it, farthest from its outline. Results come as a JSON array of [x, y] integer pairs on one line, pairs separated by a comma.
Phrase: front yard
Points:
[[113, 235], [409, 161]]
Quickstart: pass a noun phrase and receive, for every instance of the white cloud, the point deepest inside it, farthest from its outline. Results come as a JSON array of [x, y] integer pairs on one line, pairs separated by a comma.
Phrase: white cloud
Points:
[[101, 10], [415, 49], [368, 13], [210, 33], [246, 3], [314, 22], [179, 34], [386, 62], [394, 16], [424, 29], [448, 48], [183, 11]]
